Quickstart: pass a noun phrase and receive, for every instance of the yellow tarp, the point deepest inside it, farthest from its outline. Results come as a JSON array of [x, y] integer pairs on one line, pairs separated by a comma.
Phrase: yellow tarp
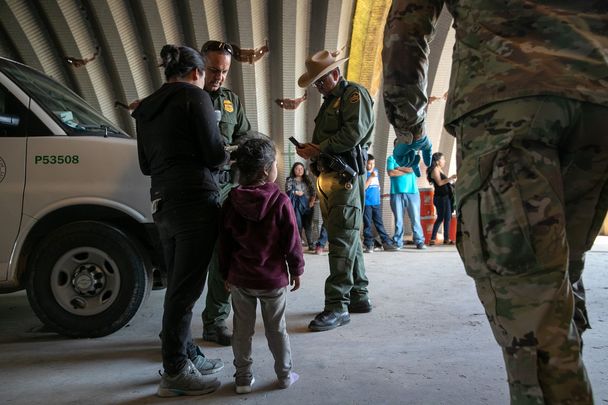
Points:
[[365, 63]]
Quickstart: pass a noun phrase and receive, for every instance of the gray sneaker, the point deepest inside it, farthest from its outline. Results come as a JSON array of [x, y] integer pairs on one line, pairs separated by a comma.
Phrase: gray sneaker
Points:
[[207, 366], [244, 384], [368, 249], [188, 381], [390, 247]]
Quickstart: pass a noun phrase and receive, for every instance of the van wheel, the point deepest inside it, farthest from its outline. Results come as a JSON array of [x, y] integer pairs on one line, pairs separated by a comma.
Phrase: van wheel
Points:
[[87, 279]]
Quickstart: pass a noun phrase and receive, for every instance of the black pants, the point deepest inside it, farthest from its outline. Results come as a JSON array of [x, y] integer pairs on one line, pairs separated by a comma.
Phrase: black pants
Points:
[[444, 215], [188, 231]]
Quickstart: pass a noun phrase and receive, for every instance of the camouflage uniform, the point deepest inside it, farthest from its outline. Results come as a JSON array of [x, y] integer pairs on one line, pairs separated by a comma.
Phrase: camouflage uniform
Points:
[[345, 120], [528, 103], [233, 124]]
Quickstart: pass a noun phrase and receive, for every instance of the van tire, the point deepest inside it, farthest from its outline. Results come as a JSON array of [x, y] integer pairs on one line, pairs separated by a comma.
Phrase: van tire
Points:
[[87, 279]]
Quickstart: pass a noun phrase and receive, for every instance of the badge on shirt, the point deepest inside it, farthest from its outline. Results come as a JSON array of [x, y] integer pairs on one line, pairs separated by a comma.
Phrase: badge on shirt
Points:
[[336, 103], [228, 106], [354, 98]]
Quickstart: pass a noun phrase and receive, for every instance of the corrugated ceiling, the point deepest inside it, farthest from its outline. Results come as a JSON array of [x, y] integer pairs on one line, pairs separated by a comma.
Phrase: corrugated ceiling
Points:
[[126, 37]]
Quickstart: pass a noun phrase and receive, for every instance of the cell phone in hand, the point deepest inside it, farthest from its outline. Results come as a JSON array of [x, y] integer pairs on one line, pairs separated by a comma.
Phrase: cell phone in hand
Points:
[[295, 142]]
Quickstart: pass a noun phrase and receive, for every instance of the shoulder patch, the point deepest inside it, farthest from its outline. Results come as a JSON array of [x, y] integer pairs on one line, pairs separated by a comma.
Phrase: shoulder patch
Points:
[[354, 98], [228, 106]]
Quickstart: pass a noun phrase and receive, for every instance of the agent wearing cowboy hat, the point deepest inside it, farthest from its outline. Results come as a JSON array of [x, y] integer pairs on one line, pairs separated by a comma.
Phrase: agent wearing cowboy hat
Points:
[[233, 124], [345, 120]]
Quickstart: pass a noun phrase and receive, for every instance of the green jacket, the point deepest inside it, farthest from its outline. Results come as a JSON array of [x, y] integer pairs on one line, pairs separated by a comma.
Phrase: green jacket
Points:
[[503, 50], [234, 122], [345, 120]]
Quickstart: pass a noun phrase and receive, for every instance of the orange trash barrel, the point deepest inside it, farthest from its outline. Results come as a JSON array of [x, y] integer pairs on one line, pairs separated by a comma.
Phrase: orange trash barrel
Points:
[[427, 223], [427, 208], [453, 225]]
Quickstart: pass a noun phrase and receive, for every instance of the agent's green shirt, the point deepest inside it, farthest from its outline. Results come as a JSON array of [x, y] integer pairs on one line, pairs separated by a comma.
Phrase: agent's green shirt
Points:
[[345, 120], [503, 50], [233, 123]]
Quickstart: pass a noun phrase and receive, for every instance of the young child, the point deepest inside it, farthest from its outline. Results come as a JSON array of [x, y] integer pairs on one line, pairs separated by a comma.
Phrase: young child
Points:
[[406, 151], [372, 212], [260, 255]]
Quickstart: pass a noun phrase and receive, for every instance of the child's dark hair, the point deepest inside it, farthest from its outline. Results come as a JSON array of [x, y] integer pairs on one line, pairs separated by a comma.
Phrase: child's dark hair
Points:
[[254, 157], [434, 163], [178, 61], [370, 157], [305, 177]]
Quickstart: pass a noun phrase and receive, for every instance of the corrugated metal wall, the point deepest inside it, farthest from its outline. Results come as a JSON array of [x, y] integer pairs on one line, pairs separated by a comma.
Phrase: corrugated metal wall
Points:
[[130, 34]]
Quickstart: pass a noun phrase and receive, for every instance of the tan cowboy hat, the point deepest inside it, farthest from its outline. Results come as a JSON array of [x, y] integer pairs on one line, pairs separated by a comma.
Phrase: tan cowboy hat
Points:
[[317, 65]]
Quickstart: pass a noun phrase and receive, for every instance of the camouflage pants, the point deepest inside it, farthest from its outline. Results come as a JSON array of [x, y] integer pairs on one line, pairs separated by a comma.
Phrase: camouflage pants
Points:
[[342, 216], [532, 193]]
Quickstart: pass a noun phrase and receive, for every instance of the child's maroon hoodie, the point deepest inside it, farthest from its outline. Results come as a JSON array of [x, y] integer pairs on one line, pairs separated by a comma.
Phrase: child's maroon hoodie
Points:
[[259, 239]]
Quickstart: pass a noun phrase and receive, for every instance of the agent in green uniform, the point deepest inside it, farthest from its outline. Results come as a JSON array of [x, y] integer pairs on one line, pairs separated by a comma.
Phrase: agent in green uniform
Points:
[[233, 124], [343, 128], [528, 104]]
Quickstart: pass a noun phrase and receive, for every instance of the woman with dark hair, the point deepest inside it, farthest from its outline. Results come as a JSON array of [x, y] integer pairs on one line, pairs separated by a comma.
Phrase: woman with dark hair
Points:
[[441, 197], [302, 194], [180, 147]]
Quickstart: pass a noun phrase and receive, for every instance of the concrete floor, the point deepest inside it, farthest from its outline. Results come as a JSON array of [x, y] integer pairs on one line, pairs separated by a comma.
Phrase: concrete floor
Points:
[[426, 342]]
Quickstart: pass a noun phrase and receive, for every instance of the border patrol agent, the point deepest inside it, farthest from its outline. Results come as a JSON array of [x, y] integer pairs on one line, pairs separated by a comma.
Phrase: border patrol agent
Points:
[[233, 124], [528, 104], [343, 128]]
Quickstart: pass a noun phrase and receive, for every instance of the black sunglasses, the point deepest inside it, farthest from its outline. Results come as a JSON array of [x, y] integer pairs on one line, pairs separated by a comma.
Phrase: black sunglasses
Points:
[[217, 46], [321, 80]]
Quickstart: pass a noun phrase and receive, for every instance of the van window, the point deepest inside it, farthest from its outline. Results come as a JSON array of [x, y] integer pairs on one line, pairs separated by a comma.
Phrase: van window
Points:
[[70, 111], [16, 120]]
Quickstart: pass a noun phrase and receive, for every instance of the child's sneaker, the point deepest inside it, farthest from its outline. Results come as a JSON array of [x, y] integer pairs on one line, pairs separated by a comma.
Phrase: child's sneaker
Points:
[[286, 382], [244, 384], [189, 381]]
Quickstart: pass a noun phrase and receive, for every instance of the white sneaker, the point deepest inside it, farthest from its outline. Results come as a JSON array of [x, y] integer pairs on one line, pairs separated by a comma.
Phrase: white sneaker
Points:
[[244, 384], [189, 381]]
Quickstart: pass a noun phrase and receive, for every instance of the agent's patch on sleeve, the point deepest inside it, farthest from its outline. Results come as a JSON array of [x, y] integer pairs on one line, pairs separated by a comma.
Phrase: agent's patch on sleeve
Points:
[[354, 98], [228, 106]]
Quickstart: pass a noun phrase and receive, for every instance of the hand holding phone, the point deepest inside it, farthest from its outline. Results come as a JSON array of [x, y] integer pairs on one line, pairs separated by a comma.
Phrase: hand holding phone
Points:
[[295, 142]]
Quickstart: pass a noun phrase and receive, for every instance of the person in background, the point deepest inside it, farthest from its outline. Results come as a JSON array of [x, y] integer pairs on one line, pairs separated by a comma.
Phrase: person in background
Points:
[[233, 124], [528, 105], [441, 197], [343, 128], [179, 146], [321, 241], [259, 268], [372, 211], [404, 196], [302, 195]]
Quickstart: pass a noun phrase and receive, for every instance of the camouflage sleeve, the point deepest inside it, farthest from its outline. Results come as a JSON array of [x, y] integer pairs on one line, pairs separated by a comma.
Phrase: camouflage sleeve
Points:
[[409, 28]]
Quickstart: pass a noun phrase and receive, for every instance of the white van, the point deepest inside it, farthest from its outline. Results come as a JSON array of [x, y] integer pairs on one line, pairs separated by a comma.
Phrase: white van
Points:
[[76, 229]]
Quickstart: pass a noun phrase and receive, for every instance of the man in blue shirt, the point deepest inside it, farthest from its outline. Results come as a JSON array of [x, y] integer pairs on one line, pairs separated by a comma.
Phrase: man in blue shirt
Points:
[[404, 195], [372, 211]]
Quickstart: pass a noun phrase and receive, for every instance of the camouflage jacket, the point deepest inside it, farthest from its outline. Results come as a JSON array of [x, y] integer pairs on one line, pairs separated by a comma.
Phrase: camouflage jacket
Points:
[[234, 122], [503, 50], [345, 120]]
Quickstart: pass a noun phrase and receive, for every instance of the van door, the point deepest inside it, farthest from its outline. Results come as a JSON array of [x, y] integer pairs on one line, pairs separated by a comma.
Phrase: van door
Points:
[[13, 144]]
